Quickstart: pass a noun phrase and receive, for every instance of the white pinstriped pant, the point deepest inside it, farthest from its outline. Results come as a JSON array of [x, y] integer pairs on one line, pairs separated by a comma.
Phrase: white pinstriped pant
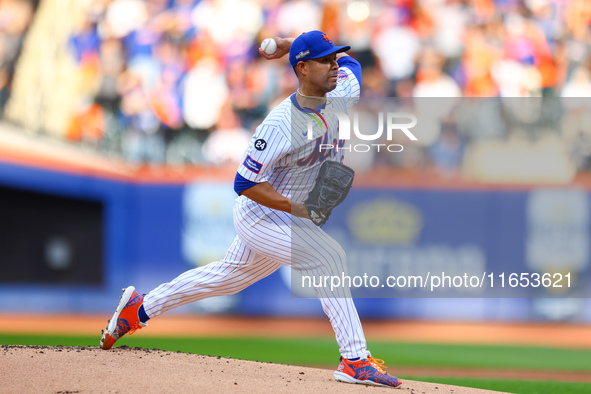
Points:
[[266, 240]]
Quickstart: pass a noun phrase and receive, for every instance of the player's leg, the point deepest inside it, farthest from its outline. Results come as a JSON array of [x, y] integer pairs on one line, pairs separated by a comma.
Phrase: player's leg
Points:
[[313, 252], [308, 249], [317, 255], [240, 268], [357, 365]]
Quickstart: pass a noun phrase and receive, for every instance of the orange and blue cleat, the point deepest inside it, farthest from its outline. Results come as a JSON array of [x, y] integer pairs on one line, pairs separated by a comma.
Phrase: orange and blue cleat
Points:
[[125, 320], [368, 371]]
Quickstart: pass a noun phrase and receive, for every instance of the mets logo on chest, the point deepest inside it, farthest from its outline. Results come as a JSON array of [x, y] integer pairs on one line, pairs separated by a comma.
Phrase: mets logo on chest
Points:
[[320, 151]]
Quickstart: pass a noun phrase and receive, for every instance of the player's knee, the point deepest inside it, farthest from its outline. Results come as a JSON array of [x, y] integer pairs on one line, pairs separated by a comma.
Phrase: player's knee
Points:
[[341, 256], [336, 261]]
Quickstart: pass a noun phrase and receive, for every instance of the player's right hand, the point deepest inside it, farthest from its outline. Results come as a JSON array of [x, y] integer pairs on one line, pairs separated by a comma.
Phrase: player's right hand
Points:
[[283, 46]]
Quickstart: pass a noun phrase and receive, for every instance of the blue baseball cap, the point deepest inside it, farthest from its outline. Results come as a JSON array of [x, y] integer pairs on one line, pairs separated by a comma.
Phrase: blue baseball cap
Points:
[[312, 45]]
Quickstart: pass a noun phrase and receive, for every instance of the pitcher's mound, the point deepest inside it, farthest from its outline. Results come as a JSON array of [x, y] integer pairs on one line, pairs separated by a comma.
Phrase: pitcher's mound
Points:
[[61, 369]]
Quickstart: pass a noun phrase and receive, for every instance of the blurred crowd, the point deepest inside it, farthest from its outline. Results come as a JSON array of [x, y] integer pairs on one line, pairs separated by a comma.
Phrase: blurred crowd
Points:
[[181, 81], [15, 19]]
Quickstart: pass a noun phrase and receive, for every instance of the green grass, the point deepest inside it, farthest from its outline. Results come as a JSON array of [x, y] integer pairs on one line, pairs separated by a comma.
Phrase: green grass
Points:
[[511, 386], [324, 352]]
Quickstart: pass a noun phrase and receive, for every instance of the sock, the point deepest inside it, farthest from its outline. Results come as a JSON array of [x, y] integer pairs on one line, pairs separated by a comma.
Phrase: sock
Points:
[[142, 314]]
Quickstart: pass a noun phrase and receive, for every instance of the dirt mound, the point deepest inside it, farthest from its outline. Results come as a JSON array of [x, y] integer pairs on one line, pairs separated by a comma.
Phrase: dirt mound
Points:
[[61, 369]]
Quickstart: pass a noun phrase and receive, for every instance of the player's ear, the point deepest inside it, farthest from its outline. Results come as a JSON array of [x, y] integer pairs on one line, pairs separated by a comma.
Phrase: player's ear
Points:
[[302, 68]]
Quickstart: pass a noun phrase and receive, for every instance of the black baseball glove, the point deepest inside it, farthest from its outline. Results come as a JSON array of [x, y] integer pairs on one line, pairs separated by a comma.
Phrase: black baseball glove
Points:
[[332, 185]]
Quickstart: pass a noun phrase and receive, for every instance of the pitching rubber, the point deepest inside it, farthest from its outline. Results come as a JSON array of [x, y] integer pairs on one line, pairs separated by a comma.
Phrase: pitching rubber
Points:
[[343, 377]]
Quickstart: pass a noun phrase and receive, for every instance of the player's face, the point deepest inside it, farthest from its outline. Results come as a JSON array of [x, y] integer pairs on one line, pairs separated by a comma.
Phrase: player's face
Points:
[[323, 73]]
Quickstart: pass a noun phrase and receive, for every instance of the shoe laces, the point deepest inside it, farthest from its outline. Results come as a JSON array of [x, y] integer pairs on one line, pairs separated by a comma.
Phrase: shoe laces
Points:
[[136, 327], [133, 329], [377, 364]]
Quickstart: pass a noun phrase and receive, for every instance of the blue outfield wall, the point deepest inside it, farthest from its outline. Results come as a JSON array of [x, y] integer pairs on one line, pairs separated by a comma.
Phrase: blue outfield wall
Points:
[[152, 233], [133, 240]]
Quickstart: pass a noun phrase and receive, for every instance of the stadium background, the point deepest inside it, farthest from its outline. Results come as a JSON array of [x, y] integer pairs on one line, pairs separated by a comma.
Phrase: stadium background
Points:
[[123, 122]]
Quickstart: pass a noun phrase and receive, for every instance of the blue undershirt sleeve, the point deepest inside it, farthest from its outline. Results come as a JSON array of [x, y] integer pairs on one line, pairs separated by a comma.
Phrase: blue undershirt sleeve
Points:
[[351, 64], [241, 184]]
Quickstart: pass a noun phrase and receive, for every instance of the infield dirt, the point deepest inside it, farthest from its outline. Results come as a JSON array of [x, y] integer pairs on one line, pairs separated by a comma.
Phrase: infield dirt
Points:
[[45, 369]]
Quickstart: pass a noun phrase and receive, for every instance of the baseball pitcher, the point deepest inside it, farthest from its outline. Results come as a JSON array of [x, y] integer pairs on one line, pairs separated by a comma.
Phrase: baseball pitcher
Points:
[[287, 187]]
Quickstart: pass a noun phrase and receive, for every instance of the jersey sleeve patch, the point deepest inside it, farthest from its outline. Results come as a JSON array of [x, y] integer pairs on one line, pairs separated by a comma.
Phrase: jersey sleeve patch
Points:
[[260, 144], [252, 164], [342, 75]]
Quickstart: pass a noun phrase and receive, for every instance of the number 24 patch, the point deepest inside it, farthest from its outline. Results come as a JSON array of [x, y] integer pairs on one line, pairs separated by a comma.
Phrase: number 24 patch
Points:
[[260, 144]]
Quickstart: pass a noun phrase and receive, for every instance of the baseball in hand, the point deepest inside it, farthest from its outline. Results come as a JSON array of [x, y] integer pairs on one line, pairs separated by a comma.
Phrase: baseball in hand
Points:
[[269, 46]]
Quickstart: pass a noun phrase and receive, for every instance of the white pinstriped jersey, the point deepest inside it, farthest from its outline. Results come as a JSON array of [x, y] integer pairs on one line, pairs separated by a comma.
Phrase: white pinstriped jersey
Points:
[[281, 153]]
